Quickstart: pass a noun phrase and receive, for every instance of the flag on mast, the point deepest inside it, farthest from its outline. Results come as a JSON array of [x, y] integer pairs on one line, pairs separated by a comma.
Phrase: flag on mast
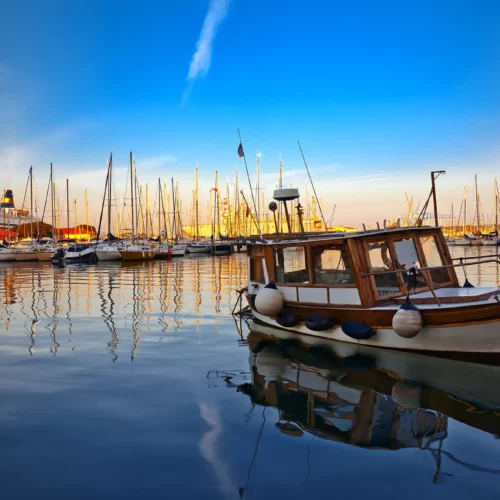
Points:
[[240, 150]]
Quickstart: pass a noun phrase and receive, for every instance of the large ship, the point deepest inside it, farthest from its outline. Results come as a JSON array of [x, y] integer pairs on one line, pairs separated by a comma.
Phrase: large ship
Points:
[[10, 216]]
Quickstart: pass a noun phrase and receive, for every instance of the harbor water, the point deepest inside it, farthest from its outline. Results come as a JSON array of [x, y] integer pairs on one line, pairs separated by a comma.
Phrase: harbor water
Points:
[[133, 380]]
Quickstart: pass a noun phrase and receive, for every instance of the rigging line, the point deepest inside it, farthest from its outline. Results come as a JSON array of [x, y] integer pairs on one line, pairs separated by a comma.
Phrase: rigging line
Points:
[[312, 184], [250, 184]]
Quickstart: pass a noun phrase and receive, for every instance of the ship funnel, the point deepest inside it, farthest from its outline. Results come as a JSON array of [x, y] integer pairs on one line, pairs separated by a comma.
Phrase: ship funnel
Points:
[[8, 200]]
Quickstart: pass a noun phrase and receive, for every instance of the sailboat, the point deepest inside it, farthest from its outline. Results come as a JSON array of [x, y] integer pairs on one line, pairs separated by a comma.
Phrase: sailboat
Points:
[[135, 251], [218, 247], [109, 249], [492, 238], [467, 238], [27, 252], [45, 246]]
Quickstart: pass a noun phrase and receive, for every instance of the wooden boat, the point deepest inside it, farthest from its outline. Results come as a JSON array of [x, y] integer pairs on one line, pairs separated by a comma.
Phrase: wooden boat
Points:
[[354, 288], [137, 252]]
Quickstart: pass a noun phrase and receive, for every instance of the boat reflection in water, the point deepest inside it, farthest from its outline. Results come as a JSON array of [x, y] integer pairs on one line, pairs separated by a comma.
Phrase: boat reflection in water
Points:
[[370, 397]]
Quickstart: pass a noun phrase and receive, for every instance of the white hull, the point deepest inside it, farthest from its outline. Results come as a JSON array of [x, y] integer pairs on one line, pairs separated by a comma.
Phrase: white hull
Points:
[[491, 242], [6, 257], [473, 338], [24, 256], [108, 254], [477, 243], [198, 249], [462, 242]]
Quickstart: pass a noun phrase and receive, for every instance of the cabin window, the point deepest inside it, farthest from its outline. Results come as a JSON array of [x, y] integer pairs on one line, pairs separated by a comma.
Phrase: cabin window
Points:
[[407, 257], [331, 266], [434, 259], [257, 271], [290, 265], [381, 261]]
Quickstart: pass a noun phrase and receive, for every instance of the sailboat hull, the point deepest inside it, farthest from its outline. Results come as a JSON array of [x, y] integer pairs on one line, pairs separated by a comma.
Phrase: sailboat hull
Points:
[[137, 255], [24, 256], [44, 256]]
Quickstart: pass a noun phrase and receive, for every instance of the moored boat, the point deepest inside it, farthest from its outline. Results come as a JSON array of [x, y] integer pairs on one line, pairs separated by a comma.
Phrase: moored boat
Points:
[[199, 247], [221, 248], [375, 288], [137, 252], [106, 252]]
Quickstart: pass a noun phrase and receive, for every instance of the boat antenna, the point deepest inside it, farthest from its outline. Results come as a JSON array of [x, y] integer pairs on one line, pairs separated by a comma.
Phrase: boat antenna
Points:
[[312, 184], [241, 153]]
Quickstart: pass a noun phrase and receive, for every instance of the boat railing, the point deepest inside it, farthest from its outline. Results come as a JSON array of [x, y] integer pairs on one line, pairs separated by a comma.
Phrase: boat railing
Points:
[[433, 268]]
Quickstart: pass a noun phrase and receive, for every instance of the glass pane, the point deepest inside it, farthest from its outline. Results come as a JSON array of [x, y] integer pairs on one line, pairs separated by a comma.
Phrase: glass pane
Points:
[[407, 257], [291, 265], [380, 259], [433, 258], [331, 266]]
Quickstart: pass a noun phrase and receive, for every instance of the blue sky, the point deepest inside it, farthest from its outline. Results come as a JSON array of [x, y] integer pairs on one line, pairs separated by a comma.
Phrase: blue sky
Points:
[[379, 94]]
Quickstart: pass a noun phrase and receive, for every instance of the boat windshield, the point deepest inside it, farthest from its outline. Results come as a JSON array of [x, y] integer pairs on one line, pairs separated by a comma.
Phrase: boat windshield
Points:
[[381, 260], [290, 265]]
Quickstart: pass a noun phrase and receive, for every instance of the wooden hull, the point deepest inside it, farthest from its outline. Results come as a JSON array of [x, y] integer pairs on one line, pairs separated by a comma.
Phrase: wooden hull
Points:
[[474, 328], [137, 255]]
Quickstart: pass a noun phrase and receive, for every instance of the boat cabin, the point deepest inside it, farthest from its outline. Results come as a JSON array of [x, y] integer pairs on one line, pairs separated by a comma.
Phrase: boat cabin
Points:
[[352, 269]]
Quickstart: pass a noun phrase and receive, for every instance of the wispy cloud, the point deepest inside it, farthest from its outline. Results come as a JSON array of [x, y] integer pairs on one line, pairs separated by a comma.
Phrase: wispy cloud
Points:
[[202, 57]]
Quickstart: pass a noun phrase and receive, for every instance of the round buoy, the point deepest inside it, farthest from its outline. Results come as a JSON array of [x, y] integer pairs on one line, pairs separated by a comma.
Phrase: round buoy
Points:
[[407, 322], [269, 300], [407, 396], [270, 363]]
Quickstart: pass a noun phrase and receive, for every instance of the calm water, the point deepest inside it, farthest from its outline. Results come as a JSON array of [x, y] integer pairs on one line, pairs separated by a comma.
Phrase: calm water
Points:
[[134, 381]]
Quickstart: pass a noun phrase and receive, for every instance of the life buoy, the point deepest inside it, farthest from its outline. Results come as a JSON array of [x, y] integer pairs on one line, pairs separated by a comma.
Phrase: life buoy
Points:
[[385, 259]]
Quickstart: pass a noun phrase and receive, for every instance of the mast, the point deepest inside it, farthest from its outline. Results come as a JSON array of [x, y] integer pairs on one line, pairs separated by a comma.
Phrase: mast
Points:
[[496, 205], [477, 206], [452, 222], [196, 206], [86, 211], [237, 228], [67, 205], [147, 210], [465, 210], [110, 170], [75, 217], [31, 203], [132, 186], [258, 187], [52, 201], [173, 217]]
